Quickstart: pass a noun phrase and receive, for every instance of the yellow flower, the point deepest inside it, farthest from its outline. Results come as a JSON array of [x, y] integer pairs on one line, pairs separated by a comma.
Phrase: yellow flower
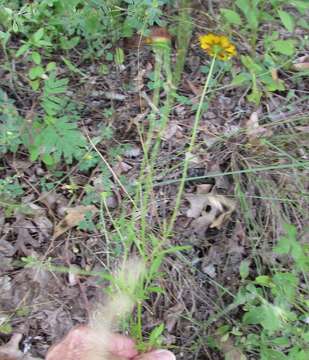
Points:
[[218, 45]]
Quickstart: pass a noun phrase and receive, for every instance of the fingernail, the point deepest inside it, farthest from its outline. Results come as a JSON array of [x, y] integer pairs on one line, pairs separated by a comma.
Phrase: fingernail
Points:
[[164, 354]]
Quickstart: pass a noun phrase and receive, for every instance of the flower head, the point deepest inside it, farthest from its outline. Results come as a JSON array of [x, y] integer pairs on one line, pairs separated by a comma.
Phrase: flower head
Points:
[[158, 36], [217, 45]]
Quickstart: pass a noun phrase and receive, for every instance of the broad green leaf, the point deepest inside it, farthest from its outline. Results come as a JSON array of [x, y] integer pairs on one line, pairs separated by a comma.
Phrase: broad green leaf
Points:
[[34, 152], [255, 96], [240, 79], [300, 5], [36, 57], [109, 56], [267, 315], [253, 316], [48, 160], [35, 84], [6, 328], [231, 16], [119, 56], [243, 5], [264, 280], [15, 27], [250, 64], [285, 286], [285, 47], [244, 269], [4, 37], [287, 20], [281, 341], [283, 246], [22, 50], [252, 19], [43, 43], [271, 354], [36, 72], [68, 44], [273, 85], [37, 36], [51, 66]]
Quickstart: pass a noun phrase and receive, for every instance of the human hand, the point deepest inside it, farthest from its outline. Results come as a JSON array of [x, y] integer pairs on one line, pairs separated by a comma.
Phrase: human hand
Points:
[[81, 344]]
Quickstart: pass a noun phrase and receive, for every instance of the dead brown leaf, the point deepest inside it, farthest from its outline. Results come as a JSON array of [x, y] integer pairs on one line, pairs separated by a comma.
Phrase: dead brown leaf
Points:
[[171, 130], [172, 316], [121, 167], [301, 63], [274, 74], [73, 217], [209, 210], [203, 188]]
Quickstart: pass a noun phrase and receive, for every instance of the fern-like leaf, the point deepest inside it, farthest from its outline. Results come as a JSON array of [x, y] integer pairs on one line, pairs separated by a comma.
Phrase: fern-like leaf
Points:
[[59, 138]]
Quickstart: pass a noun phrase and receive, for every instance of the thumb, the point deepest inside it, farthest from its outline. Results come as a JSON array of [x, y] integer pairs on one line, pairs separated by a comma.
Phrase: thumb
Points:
[[156, 355]]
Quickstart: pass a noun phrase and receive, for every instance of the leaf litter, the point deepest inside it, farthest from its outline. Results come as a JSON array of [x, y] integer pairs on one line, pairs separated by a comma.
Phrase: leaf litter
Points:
[[209, 211]]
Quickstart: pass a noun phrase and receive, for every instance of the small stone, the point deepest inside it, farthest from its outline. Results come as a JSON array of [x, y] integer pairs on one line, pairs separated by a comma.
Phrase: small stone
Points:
[[39, 171], [210, 270]]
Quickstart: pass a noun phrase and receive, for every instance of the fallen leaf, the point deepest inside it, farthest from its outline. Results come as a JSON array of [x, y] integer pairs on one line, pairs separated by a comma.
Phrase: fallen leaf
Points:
[[209, 210], [121, 167], [171, 130], [44, 225], [210, 270], [202, 223], [24, 236], [274, 74], [197, 204], [301, 63], [196, 90], [173, 315], [210, 139], [203, 188], [73, 218]]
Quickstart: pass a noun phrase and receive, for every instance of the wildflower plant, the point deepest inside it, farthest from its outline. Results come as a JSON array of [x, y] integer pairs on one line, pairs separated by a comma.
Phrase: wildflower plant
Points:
[[217, 45]]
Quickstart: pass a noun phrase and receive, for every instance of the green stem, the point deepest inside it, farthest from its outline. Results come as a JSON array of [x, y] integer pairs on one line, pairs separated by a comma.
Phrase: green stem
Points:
[[190, 149], [139, 321], [157, 77], [148, 164]]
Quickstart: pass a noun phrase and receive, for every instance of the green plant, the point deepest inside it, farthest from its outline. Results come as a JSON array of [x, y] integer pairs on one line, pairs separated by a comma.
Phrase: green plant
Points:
[[10, 192], [68, 24], [271, 55], [275, 307], [11, 125]]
